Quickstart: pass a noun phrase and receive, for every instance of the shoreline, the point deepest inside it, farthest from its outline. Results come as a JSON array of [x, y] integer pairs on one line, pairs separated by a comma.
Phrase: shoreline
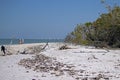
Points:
[[28, 41]]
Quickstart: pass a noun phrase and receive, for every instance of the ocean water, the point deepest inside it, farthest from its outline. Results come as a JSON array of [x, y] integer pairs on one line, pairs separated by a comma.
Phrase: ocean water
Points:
[[16, 41]]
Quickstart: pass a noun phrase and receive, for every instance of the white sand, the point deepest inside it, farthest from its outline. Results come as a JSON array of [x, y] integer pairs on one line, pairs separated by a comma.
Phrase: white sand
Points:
[[91, 61]]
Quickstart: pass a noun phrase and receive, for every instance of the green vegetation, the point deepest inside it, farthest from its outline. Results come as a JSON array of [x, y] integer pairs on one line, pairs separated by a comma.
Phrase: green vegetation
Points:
[[104, 32]]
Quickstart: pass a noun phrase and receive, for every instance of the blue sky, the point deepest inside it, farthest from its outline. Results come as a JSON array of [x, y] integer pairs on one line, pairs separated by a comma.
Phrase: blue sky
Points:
[[46, 19]]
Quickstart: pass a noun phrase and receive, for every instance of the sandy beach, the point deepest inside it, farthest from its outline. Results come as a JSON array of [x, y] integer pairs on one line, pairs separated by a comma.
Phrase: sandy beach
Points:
[[76, 63]]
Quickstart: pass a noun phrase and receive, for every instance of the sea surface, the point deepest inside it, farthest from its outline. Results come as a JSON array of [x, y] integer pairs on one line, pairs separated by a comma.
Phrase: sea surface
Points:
[[16, 41]]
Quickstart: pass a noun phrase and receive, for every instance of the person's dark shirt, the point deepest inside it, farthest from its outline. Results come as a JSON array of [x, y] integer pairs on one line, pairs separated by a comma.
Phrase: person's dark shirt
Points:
[[2, 48]]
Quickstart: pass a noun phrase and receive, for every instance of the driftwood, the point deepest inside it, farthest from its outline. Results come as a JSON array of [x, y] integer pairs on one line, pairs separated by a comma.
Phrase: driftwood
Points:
[[64, 47], [34, 49], [45, 46]]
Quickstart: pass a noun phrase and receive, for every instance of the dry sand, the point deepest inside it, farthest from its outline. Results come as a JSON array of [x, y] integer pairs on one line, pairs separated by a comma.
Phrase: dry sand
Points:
[[86, 62]]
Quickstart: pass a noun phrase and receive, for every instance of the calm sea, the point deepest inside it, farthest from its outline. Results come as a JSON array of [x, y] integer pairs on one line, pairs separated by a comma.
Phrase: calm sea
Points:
[[16, 41]]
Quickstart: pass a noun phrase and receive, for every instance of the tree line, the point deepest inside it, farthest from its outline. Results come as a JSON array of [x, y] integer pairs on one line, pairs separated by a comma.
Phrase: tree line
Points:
[[104, 32]]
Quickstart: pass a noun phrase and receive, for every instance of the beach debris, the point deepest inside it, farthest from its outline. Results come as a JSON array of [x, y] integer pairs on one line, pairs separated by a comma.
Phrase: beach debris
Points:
[[43, 75], [37, 49], [24, 52], [27, 71], [42, 63], [34, 49], [85, 78], [45, 46], [71, 72], [92, 57], [64, 47], [98, 51], [100, 77], [81, 71], [77, 78]]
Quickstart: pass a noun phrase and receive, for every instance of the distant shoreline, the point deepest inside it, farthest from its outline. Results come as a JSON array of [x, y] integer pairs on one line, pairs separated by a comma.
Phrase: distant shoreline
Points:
[[28, 41]]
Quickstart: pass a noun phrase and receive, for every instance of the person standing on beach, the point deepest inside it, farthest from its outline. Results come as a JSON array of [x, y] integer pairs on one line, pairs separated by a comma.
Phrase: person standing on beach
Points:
[[3, 49], [21, 41]]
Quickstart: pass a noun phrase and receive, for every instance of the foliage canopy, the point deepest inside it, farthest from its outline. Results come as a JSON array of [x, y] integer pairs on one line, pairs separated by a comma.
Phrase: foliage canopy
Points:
[[104, 32]]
